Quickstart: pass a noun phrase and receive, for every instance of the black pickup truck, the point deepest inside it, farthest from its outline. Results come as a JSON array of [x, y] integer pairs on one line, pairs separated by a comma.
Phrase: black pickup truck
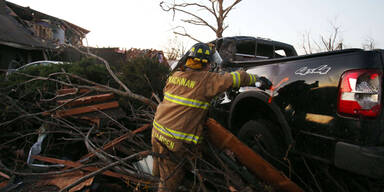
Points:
[[324, 106]]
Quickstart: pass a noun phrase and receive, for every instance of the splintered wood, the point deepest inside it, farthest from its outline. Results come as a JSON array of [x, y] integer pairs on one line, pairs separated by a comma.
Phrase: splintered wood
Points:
[[88, 143]]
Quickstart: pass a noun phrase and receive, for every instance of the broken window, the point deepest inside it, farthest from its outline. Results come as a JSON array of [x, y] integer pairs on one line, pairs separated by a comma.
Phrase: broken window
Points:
[[280, 53], [246, 47], [289, 51], [245, 50], [264, 51]]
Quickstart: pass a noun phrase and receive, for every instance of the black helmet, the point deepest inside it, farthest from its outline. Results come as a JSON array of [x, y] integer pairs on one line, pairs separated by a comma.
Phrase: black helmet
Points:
[[201, 52]]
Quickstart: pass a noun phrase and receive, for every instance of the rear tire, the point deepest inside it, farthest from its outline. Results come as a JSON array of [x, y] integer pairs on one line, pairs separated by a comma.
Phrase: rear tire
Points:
[[264, 138]]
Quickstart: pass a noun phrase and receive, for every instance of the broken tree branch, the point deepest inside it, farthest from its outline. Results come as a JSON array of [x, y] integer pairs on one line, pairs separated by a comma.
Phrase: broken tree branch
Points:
[[96, 87], [127, 92], [140, 154], [106, 66], [185, 34], [88, 168], [118, 140], [47, 173]]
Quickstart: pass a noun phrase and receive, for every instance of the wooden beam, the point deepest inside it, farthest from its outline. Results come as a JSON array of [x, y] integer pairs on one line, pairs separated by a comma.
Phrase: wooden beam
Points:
[[86, 109], [86, 100], [4, 175], [3, 184], [224, 139], [91, 168]]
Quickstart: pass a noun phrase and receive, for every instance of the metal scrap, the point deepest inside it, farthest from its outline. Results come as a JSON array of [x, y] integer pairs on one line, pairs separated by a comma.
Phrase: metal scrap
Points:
[[36, 149]]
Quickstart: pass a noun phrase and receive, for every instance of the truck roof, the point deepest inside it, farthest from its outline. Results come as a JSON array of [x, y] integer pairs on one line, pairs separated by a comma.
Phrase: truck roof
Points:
[[258, 40], [238, 48], [285, 59]]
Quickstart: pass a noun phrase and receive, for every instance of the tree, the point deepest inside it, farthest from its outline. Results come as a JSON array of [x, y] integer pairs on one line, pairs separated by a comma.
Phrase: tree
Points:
[[330, 42], [369, 44], [215, 8], [175, 49]]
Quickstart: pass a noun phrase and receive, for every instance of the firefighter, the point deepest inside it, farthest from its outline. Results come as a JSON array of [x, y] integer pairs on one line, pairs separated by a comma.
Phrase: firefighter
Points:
[[178, 123]]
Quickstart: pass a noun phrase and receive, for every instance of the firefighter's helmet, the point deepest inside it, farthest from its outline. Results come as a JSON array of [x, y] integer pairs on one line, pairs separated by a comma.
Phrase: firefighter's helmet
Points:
[[199, 56]]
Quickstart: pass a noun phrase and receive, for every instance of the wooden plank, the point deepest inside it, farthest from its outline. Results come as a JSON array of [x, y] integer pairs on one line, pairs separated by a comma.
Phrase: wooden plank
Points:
[[63, 180], [3, 184], [87, 100], [86, 109], [223, 139], [91, 168], [4, 175]]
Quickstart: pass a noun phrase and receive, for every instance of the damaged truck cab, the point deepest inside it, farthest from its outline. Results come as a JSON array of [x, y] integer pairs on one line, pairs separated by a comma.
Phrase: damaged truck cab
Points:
[[324, 106]]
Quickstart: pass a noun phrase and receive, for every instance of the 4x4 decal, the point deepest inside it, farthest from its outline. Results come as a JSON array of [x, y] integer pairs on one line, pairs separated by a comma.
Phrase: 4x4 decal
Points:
[[322, 70]]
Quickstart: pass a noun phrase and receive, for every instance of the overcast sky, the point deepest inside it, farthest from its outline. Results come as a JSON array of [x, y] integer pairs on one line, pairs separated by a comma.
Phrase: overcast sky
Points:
[[142, 24]]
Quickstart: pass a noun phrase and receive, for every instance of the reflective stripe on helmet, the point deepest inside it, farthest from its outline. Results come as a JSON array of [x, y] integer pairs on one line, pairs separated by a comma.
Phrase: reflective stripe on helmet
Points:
[[185, 101], [236, 79], [175, 134]]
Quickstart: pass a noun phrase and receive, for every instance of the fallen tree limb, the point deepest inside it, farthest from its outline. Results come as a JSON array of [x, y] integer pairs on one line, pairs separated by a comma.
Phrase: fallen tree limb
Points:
[[95, 87], [117, 141], [140, 154], [127, 92], [93, 168], [48, 173]]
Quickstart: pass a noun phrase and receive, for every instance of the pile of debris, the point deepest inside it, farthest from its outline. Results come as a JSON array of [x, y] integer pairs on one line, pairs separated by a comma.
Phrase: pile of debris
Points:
[[92, 137], [83, 145], [88, 143]]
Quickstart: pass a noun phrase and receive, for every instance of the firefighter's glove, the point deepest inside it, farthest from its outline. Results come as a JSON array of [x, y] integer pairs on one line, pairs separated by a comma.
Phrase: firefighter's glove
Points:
[[263, 83]]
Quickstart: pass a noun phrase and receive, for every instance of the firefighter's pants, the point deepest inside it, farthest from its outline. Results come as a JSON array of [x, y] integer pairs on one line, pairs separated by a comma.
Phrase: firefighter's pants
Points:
[[171, 173]]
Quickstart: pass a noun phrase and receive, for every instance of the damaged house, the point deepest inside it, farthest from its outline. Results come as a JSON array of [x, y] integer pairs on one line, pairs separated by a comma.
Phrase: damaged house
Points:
[[152, 53], [27, 35]]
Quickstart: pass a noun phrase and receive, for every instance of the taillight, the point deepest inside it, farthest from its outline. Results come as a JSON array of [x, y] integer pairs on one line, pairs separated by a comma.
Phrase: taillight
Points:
[[359, 93]]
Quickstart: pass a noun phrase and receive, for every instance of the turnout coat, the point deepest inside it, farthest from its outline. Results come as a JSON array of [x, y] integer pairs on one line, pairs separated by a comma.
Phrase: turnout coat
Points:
[[181, 115]]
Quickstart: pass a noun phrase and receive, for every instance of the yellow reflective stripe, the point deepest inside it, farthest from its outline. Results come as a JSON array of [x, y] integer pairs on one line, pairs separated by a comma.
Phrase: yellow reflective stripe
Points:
[[252, 79], [236, 79], [185, 101], [175, 134], [170, 144]]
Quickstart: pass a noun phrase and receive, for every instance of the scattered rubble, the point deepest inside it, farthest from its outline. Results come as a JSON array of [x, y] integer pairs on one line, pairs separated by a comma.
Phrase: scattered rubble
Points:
[[90, 136], [82, 146]]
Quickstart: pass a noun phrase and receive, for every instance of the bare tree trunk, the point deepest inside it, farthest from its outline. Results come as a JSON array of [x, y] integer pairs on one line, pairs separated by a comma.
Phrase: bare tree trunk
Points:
[[215, 9]]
